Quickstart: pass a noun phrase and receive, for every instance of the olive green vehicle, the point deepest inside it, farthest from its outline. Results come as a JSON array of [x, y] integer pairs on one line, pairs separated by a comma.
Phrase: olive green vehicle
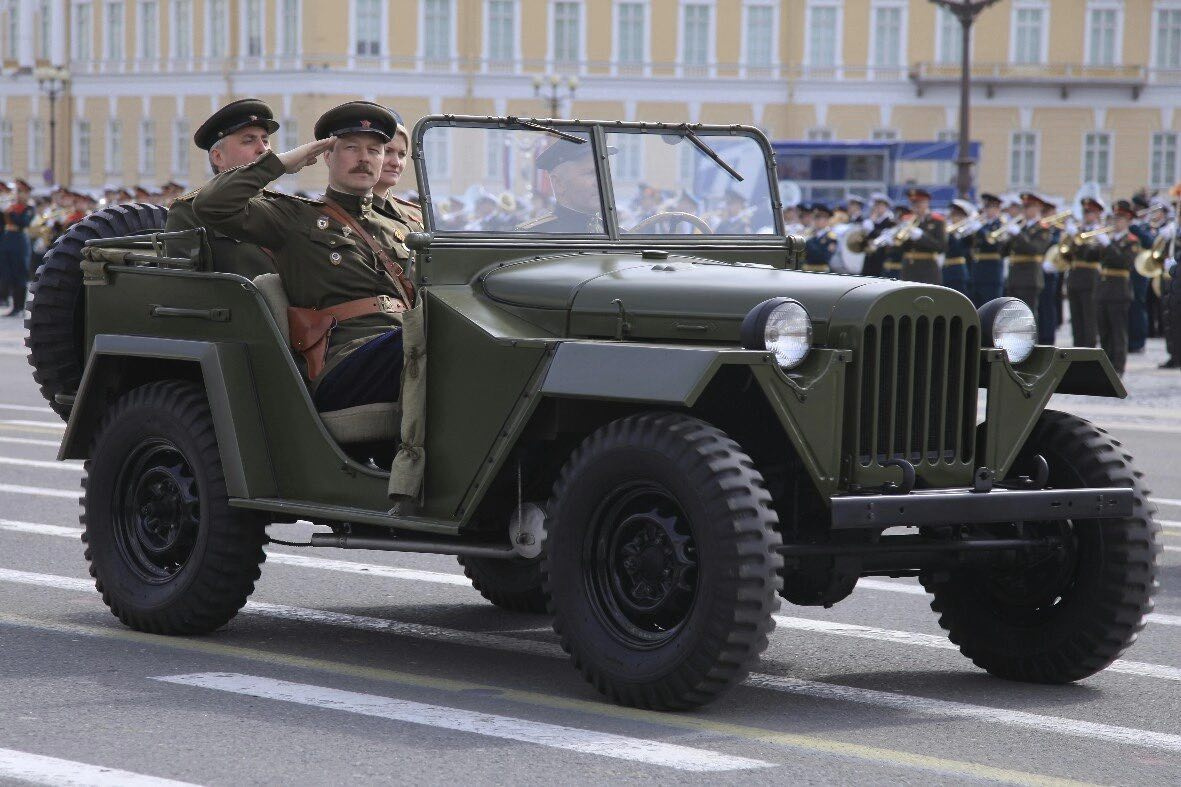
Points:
[[648, 424]]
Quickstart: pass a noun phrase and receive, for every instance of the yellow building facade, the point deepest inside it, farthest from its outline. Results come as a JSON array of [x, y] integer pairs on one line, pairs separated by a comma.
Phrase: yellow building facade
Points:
[[1066, 91]]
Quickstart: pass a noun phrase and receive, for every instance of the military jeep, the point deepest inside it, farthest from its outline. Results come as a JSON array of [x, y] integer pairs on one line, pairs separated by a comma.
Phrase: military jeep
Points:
[[628, 409]]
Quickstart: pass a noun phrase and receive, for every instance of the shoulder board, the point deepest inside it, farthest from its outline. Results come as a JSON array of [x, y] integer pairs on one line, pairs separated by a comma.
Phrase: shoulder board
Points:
[[188, 195], [280, 195], [938, 217], [539, 220], [407, 203]]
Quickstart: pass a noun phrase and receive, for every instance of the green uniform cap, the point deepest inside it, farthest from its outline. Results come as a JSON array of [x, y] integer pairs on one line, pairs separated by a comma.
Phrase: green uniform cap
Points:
[[233, 117], [357, 117]]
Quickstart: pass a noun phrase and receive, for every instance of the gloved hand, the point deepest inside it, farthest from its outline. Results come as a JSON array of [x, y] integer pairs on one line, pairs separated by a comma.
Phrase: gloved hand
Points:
[[1170, 266], [916, 233], [867, 225], [1102, 240], [1167, 231], [1014, 229]]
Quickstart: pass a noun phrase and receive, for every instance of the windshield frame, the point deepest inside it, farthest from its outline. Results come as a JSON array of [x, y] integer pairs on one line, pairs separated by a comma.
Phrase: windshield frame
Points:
[[598, 130]]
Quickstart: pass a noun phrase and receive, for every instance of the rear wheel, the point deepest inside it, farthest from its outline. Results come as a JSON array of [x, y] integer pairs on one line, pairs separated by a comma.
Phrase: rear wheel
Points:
[[661, 561], [166, 551], [1059, 616]]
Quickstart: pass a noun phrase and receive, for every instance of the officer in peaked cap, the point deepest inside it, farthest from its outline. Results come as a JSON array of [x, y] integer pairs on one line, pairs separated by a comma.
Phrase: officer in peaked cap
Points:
[[235, 135], [821, 245], [571, 168], [1113, 293]]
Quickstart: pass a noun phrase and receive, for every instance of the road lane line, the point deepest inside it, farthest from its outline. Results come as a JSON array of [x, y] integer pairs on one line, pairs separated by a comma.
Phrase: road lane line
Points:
[[27, 408], [41, 464], [37, 769], [1166, 501], [40, 491], [30, 441], [553, 736], [696, 723], [820, 690], [59, 426], [891, 587]]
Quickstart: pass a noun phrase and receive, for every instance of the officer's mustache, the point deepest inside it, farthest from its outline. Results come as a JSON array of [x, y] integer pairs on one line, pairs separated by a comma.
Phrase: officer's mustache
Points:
[[361, 169]]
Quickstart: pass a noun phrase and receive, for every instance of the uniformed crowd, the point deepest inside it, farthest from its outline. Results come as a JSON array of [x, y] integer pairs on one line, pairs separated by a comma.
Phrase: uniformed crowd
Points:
[[1097, 259]]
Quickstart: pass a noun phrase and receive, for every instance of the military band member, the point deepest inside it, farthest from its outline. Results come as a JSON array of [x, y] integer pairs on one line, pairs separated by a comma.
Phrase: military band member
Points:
[[881, 218], [1138, 310], [323, 251], [15, 247], [235, 135], [822, 245], [959, 249], [924, 242], [1026, 249], [1083, 278], [855, 207], [1048, 304], [988, 269], [791, 220], [735, 216], [892, 261], [1113, 293]]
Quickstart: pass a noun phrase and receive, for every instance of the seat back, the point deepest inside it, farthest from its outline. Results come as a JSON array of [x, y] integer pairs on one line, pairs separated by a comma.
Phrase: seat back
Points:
[[271, 287]]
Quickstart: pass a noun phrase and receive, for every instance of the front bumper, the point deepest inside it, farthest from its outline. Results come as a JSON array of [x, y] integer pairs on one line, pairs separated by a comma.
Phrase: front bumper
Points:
[[964, 506]]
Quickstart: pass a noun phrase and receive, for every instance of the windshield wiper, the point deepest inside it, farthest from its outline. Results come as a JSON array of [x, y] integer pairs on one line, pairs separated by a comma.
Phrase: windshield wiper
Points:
[[707, 150], [546, 129]]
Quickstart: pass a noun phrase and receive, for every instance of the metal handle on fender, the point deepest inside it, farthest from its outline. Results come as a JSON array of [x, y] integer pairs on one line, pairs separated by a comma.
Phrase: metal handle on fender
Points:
[[217, 314]]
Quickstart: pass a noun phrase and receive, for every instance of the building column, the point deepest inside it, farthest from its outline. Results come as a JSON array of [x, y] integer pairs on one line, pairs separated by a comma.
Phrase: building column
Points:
[[27, 9]]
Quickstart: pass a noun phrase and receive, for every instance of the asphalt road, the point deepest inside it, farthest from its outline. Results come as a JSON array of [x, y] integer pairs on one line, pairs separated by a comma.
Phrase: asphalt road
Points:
[[352, 667]]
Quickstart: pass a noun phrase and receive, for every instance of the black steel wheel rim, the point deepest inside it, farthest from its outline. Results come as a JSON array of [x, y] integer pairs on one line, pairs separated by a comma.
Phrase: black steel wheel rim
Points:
[[1039, 580], [641, 565], [157, 511]]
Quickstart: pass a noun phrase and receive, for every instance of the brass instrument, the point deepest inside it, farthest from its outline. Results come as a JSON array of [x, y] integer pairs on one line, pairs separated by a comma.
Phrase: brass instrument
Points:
[[855, 241], [904, 232], [1000, 232], [1083, 237], [964, 227], [1057, 220], [1150, 263]]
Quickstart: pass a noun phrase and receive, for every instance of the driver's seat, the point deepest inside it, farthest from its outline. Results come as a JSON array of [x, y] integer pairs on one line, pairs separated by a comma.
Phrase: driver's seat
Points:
[[366, 423]]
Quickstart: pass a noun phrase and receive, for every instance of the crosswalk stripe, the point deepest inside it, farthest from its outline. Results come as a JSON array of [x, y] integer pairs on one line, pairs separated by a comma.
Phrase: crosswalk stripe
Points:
[[40, 491], [37, 769], [57, 426], [554, 736], [26, 408], [29, 441], [40, 464]]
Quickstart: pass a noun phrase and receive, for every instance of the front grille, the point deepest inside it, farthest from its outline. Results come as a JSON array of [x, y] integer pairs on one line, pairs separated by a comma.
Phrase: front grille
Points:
[[917, 391]]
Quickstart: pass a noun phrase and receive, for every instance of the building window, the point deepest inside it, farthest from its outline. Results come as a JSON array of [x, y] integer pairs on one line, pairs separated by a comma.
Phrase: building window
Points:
[[1097, 158], [1164, 160], [567, 33], [502, 31], [824, 35], [218, 23], [114, 146], [819, 134], [887, 36], [884, 134], [1029, 27], [628, 163], [82, 147], [497, 154], [13, 32], [759, 34], [147, 148], [289, 17], [687, 156], [695, 35], [367, 24], [951, 38], [290, 129], [6, 146], [182, 29], [180, 147], [44, 31], [1168, 38], [436, 149], [252, 28], [113, 44], [37, 147], [149, 30], [631, 33], [1102, 36], [80, 41], [436, 30], [1023, 159]]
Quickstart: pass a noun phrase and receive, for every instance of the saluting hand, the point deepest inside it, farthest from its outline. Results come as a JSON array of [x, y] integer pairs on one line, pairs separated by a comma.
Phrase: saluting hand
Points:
[[305, 155]]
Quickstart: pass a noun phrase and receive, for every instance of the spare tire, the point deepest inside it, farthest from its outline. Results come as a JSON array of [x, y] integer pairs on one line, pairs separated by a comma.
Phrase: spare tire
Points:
[[55, 327]]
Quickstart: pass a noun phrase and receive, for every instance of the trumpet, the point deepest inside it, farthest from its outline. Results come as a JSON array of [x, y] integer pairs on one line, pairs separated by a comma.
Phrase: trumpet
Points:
[[903, 234], [964, 227], [1000, 232], [1057, 220], [1083, 237]]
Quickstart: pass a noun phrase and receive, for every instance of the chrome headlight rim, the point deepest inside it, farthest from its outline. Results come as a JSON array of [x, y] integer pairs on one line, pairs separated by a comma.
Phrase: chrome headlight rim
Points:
[[772, 312], [998, 327]]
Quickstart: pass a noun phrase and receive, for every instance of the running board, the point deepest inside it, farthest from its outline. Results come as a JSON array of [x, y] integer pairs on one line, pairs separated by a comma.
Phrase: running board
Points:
[[318, 512], [505, 552]]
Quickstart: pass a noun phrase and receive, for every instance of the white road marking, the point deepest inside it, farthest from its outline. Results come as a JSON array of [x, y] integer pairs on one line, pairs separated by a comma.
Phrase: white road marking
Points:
[[26, 408], [59, 426], [40, 491], [554, 736], [368, 569], [37, 769], [72, 466], [891, 587], [30, 441], [1166, 501], [1169, 524]]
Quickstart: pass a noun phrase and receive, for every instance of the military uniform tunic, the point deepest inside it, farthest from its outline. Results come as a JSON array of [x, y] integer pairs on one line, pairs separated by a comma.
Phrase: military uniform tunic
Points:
[[918, 254], [14, 252], [1113, 296], [988, 271], [955, 266], [1080, 292], [226, 254], [876, 258], [1026, 251], [819, 250], [321, 262]]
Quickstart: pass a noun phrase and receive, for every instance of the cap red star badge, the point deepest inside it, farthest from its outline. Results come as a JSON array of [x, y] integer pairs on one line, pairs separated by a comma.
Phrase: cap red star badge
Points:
[[254, 117], [365, 124]]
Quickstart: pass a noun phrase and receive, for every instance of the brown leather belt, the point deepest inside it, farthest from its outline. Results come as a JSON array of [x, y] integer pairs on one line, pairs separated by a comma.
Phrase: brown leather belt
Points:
[[1024, 259], [919, 256], [955, 261], [311, 328], [363, 307], [814, 268], [1089, 265], [892, 266], [1116, 273], [987, 255]]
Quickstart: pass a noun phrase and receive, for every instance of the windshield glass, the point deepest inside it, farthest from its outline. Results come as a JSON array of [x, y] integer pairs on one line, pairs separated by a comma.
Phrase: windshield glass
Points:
[[512, 181], [666, 185]]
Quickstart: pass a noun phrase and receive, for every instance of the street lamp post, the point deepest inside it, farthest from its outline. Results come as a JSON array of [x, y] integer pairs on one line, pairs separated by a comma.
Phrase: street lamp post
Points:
[[52, 80], [553, 85], [966, 11]]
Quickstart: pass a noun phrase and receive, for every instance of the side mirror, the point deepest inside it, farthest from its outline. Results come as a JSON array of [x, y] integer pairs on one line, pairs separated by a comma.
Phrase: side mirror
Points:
[[418, 241]]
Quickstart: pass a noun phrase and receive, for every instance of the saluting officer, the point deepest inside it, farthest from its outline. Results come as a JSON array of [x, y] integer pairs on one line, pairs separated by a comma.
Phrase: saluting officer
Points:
[[1026, 248], [822, 245], [235, 135], [337, 256], [926, 240], [1084, 276], [959, 249], [1114, 291]]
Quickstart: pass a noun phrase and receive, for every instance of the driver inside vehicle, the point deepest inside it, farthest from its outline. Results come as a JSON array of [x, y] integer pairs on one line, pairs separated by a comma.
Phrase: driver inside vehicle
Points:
[[578, 209]]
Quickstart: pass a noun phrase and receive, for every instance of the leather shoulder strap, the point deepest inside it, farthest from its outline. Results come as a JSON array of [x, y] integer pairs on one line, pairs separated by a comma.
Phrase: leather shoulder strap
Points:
[[403, 284]]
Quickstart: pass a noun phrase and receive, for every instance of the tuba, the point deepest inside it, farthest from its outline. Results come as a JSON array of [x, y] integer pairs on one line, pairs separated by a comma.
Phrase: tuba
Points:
[[855, 241], [1150, 263]]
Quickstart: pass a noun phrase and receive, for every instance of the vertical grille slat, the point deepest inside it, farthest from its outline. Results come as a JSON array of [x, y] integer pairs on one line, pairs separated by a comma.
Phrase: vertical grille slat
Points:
[[917, 391]]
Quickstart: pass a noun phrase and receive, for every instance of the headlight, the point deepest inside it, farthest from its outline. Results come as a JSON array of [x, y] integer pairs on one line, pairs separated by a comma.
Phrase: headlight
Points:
[[781, 326], [1009, 324]]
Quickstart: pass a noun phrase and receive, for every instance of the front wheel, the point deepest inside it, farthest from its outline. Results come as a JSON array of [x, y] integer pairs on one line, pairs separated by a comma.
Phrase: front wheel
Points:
[[166, 551], [661, 562], [1057, 617]]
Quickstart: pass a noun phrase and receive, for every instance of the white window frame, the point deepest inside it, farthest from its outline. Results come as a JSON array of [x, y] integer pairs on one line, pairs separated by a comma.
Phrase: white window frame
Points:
[[36, 153], [744, 51], [1170, 179], [108, 55], [1037, 153], [281, 32], [1118, 53], [646, 66], [636, 141], [6, 138], [289, 133], [1154, 50], [957, 30], [452, 44], [903, 35], [181, 160], [550, 49], [383, 40], [140, 54], [516, 53], [208, 21], [79, 167], [113, 144], [1047, 21], [77, 53], [885, 134], [44, 32], [174, 37], [711, 47], [147, 163], [820, 134], [1105, 180], [244, 55], [838, 43]]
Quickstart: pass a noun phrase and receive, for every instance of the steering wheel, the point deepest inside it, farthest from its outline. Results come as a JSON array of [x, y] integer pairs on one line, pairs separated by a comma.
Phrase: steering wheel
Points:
[[672, 217]]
